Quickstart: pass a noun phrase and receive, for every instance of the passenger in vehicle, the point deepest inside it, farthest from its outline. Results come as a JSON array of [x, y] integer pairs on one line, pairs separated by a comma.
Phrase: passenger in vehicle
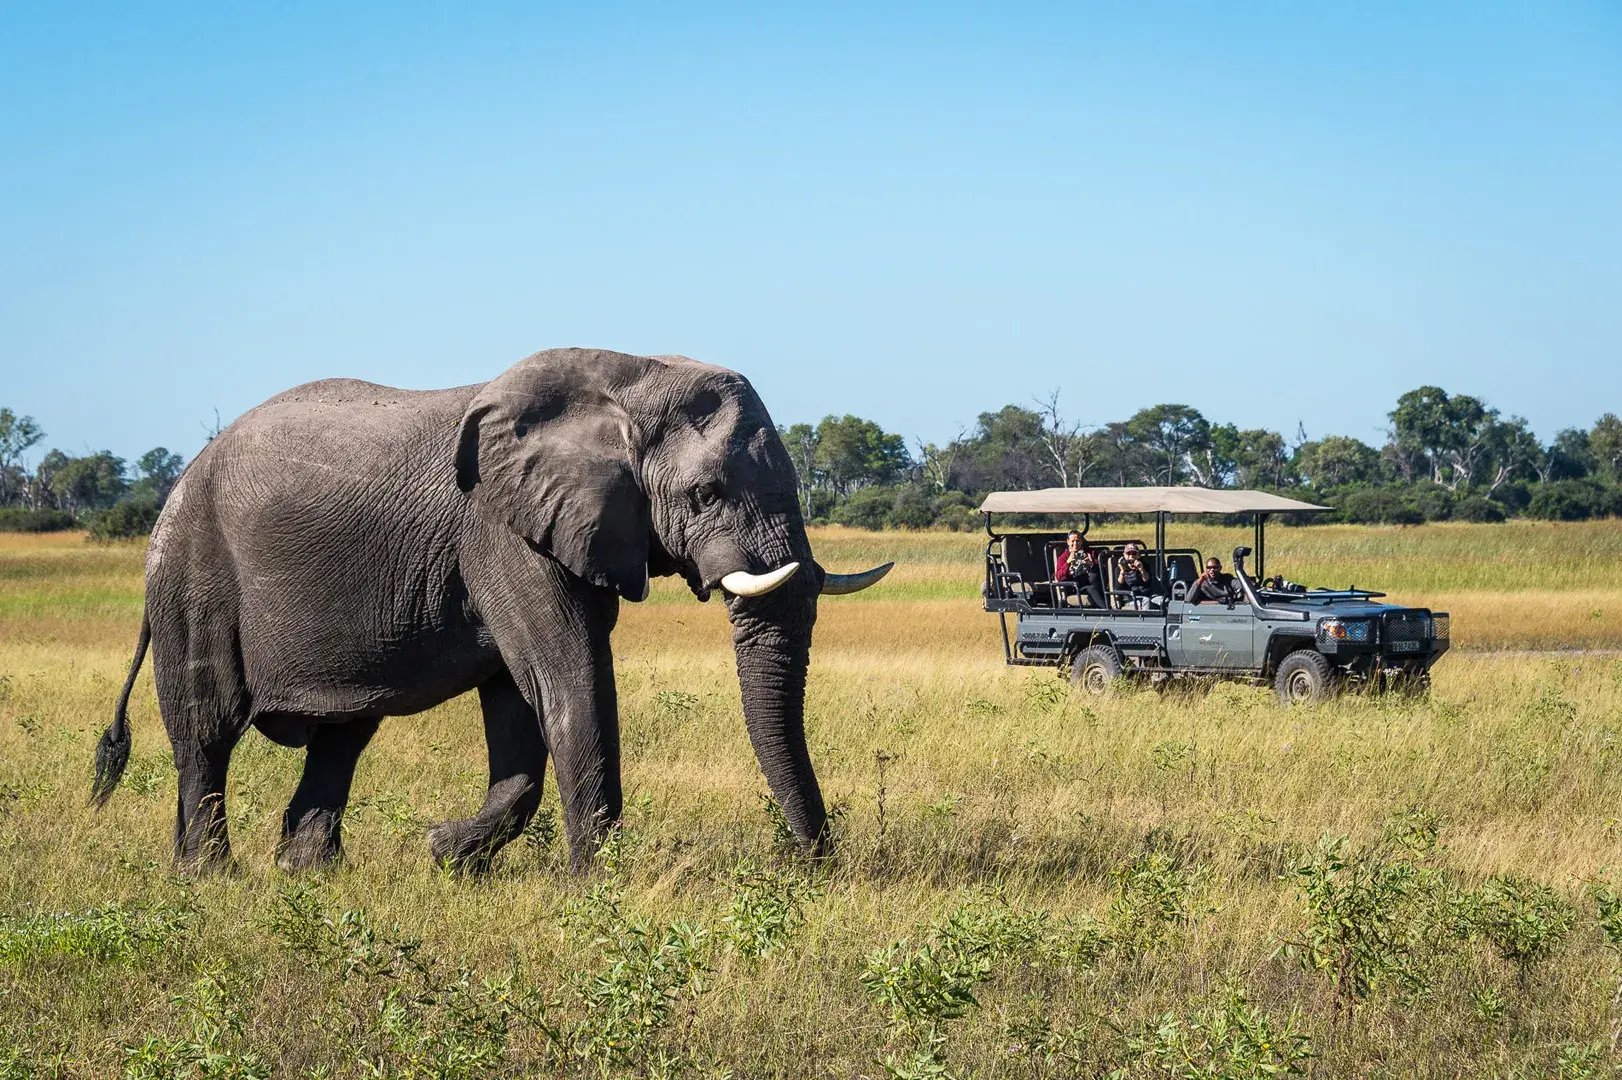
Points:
[[1213, 586], [1078, 563], [1132, 575]]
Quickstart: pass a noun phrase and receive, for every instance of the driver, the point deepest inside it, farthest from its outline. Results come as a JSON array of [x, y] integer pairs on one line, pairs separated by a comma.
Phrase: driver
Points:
[[1213, 585]]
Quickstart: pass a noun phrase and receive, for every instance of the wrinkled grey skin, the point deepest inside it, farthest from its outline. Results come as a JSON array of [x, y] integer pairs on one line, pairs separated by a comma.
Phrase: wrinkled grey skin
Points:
[[348, 551]]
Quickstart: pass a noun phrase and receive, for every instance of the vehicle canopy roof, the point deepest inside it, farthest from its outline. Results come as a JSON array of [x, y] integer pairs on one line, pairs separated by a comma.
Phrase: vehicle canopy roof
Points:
[[1141, 500]]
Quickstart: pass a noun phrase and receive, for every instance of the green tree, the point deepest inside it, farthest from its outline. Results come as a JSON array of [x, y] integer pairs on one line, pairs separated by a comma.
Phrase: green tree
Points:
[[936, 464], [91, 482], [1253, 457], [17, 435], [1467, 438], [1172, 435], [1418, 432], [157, 470], [1513, 452], [801, 441], [1335, 461], [854, 453], [1121, 458], [1605, 442], [1006, 451], [1263, 459], [43, 488], [1569, 457], [1216, 464]]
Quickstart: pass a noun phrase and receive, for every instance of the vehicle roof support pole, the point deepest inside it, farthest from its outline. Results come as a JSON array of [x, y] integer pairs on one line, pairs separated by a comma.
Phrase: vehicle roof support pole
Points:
[[1261, 546], [1160, 546]]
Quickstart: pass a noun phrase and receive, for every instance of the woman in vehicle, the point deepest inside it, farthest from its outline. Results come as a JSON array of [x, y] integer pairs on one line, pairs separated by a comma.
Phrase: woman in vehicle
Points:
[[1078, 563]]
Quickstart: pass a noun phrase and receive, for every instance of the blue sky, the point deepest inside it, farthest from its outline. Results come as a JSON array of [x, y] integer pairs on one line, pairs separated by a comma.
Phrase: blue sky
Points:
[[1276, 213]]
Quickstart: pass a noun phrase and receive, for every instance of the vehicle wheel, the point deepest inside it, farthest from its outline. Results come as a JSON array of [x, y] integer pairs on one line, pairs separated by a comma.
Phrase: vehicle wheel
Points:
[[1095, 669], [1305, 678]]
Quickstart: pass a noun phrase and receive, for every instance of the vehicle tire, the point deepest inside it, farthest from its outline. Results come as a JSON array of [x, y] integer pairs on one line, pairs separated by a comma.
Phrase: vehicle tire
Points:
[[1305, 678], [1096, 669]]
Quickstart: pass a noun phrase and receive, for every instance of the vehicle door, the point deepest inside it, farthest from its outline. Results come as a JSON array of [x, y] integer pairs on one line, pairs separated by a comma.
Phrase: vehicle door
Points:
[[1210, 635]]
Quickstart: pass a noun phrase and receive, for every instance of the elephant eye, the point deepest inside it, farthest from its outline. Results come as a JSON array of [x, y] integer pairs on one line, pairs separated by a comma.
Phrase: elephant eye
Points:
[[706, 496]]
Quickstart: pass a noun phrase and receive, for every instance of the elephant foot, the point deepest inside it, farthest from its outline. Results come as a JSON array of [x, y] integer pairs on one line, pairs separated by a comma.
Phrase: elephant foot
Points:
[[311, 843], [470, 846], [466, 847]]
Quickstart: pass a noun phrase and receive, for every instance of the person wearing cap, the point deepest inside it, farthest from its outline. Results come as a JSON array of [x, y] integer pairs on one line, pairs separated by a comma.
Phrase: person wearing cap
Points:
[[1132, 575]]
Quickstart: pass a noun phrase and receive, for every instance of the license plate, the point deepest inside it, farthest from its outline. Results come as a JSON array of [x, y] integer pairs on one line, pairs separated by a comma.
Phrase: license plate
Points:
[[1405, 646]]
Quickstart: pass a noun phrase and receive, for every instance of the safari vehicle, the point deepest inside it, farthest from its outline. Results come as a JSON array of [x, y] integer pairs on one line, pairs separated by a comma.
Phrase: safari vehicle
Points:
[[1309, 643]]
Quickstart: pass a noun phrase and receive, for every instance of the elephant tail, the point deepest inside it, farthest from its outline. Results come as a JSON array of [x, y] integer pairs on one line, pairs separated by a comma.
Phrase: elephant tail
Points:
[[113, 751]]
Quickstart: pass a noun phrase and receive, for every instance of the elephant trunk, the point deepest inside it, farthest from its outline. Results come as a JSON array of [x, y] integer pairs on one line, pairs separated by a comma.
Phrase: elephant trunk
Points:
[[772, 639]]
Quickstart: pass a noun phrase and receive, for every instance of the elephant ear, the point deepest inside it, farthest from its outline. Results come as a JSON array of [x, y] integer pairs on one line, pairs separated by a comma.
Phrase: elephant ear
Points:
[[546, 451]]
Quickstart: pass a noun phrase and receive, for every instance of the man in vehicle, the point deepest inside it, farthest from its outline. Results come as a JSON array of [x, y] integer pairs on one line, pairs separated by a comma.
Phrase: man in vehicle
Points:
[[1133, 576], [1213, 585]]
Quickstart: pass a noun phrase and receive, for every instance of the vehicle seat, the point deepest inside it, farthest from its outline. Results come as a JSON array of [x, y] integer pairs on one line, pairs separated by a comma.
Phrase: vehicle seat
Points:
[[1181, 568], [1027, 556]]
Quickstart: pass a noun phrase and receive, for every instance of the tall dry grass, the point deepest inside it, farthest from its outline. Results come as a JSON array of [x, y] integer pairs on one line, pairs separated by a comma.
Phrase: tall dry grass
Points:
[[956, 778]]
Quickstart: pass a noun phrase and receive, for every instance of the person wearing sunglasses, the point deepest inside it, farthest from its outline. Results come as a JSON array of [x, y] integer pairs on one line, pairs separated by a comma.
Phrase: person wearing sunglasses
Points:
[[1213, 585]]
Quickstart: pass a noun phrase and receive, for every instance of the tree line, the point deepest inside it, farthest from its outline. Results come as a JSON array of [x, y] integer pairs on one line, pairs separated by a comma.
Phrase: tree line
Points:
[[1445, 457], [99, 491]]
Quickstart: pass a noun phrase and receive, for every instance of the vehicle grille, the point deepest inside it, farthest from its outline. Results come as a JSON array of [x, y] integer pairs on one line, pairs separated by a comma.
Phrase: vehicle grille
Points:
[[1406, 631], [1440, 623]]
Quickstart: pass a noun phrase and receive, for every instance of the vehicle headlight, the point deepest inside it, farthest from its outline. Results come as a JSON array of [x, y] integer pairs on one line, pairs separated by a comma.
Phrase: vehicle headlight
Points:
[[1358, 630], [1440, 625]]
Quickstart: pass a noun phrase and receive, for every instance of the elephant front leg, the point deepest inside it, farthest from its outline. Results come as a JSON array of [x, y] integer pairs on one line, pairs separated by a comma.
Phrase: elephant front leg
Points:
[[517, 752], [312, 825], [553, 633], [582, 727]]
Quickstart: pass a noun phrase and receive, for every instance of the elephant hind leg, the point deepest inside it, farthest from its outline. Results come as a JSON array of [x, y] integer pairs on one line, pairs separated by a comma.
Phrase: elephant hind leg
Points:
[[312, 826], [204, 701], [517, 753]]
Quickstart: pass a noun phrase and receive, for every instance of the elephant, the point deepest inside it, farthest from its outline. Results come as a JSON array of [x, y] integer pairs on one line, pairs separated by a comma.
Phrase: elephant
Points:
[[348, 551]]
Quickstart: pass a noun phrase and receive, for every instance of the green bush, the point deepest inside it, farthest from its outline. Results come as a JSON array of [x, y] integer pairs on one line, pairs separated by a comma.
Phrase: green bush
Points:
[[1379, 506], [124, 520], [1478, 508], [1434, 502], [868, 508], [1568, 500], [20, 519], [911, 509]]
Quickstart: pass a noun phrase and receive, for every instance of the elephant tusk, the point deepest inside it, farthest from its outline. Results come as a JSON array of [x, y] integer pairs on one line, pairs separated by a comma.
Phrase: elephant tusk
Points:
[[742, 583], [840, 584]]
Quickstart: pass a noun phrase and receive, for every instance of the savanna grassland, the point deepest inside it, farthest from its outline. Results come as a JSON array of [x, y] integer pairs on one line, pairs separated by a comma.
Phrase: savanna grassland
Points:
[[1194, 884]]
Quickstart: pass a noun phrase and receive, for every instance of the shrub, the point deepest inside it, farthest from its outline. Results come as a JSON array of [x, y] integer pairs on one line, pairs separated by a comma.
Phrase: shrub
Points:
[[1229, 1039], [1477, 508], [1568, 500], [124, 520], [911, 509], [1379, 506], [19, 519], [1434, 502], [1368, 911], [1523, 920], [868, 508]]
